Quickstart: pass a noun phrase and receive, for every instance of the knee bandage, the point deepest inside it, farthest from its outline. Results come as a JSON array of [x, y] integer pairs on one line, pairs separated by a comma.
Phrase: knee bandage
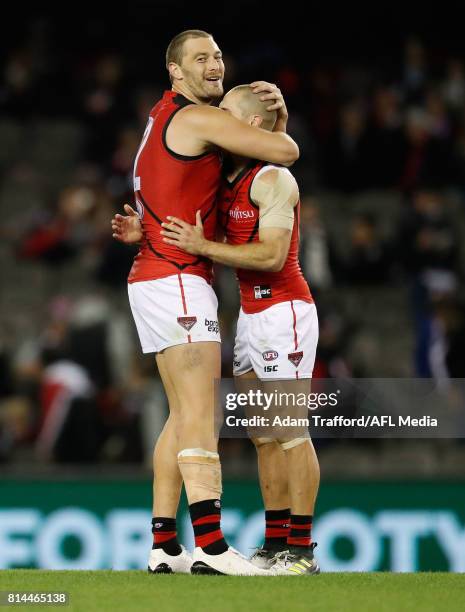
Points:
[[291, 443], [201, 472]]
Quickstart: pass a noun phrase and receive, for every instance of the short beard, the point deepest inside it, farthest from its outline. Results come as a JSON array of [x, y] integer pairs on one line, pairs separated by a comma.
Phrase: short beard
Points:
[[200, 93]]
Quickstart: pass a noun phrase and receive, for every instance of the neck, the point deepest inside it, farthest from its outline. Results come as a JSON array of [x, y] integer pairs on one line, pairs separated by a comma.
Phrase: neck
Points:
[[180, 88], [236, 165]]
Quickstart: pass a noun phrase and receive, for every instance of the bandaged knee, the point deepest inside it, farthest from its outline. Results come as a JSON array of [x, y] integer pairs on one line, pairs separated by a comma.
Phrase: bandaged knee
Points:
[[288, 444], [201, 472]]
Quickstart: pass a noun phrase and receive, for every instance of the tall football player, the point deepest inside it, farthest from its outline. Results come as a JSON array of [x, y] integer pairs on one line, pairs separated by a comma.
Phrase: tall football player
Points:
[[177, 172]]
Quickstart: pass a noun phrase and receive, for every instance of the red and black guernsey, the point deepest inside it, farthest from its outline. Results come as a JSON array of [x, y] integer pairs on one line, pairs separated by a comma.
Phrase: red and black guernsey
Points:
[[166, 183], [239, 218]]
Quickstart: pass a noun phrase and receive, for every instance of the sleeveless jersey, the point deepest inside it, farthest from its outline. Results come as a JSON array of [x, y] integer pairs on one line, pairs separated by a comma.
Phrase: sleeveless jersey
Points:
[[166, 183], [239, 218]]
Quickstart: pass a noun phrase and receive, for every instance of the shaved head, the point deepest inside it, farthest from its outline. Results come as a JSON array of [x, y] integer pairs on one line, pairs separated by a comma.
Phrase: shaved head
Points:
[[249, 105]]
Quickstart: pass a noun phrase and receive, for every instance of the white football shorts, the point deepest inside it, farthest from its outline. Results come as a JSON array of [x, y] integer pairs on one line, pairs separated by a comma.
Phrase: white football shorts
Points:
[[278, 343], [177, 309]]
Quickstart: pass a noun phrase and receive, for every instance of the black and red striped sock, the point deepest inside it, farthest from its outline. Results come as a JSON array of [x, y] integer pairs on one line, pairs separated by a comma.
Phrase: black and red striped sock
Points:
[[300, 534], [165, 535], [276, 529], [206, 518]]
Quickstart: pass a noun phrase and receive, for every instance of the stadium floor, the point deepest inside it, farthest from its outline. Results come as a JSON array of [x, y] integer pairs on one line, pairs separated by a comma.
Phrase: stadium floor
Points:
[[136, 590]]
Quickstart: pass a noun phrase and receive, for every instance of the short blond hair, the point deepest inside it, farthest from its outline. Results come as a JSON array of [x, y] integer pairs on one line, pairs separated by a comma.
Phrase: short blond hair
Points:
[[174, 52], [251, 104]]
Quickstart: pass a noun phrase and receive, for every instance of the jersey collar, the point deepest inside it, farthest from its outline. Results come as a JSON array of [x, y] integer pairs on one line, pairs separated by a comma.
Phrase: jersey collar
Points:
[[253, 163]]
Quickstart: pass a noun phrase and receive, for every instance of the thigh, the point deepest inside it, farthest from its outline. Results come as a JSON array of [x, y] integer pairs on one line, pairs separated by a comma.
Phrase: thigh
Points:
[[168, 384], [194, 370]]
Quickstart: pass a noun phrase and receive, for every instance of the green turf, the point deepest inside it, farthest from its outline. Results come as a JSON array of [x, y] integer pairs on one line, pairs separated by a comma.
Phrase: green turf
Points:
[[377, 592]]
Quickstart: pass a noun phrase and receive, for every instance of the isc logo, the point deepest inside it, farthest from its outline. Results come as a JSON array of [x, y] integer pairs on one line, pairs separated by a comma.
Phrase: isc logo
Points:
[[271, 368], [262, 291]]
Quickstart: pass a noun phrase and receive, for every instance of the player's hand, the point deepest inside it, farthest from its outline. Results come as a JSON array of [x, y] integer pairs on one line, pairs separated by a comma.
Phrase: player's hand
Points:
[[127, 229], [189, 238], [271, 92]]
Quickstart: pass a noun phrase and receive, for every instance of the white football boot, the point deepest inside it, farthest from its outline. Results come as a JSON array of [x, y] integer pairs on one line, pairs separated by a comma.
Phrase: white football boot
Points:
[[229, 563], [162, 563]]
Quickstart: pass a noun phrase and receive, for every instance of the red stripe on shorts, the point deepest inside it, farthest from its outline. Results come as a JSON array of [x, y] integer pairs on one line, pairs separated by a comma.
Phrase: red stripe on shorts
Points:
[[184, 305], [296, 342]]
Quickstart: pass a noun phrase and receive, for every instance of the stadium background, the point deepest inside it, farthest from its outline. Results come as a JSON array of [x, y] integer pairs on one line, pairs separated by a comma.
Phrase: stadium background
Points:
[[377, 105]]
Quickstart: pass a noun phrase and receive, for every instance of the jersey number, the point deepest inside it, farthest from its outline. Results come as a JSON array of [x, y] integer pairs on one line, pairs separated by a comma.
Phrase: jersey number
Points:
[[148, 129]]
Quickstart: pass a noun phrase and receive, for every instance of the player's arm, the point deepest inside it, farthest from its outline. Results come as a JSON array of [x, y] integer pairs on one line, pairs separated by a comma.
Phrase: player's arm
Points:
[[216, 127], [275, 193], [267, 255]]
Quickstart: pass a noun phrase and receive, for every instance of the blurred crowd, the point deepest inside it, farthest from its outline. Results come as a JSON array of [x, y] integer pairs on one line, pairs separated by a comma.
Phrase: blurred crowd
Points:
[[75, 390]]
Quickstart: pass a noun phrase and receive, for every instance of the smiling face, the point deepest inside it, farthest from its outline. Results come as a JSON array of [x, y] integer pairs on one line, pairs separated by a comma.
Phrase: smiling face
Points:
[[201, 70]]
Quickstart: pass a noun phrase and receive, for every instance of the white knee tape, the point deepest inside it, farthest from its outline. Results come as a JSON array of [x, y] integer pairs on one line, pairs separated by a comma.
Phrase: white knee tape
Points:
[[201, 472], [197, 452], [291, 443]]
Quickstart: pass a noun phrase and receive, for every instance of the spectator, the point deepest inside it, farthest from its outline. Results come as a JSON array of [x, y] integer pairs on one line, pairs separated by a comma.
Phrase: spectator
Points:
[[429, 251], [384, 140], [345, 156], [315, 255], [369, 259], [426, 157]]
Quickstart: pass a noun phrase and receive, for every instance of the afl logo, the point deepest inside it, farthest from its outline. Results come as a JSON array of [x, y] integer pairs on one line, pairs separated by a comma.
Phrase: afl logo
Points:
[[270, 355]]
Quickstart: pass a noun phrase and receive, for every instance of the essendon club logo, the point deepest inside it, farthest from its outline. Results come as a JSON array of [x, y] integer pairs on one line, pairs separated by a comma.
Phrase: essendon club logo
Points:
[[270, 355], [296, 358], [187, 322]]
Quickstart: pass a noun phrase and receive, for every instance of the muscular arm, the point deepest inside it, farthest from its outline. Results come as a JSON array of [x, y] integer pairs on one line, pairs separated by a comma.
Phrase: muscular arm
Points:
[[268, 254], [217, 127], [275, 193]]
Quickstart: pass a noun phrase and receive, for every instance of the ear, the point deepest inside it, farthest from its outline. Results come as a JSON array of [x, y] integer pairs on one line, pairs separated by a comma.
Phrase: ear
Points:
[[256, 121], [175, 71]]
